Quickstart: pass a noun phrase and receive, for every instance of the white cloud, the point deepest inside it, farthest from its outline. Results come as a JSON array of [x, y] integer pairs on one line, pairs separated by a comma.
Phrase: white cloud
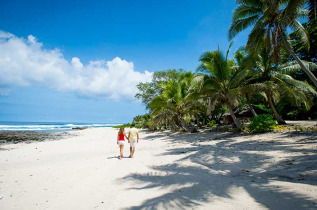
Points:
[[31, 39], [26, 63], [76, 63], [5, 35]]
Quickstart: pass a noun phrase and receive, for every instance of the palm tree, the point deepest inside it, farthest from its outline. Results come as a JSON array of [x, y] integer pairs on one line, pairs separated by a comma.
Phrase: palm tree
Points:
[[173, 105], [274, 80], [245, 63], [271, 18], [219, 81], [161, 112]]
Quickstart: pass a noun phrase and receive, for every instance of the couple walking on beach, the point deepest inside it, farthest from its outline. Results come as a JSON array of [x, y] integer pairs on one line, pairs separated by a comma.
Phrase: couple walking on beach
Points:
[[133, 139]]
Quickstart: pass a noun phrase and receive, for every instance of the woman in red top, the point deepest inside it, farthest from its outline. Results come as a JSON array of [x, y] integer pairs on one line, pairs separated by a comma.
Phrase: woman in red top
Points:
[[120, 140]]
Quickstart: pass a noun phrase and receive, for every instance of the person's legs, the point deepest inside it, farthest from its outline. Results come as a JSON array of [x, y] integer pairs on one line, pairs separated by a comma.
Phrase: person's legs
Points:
[[121, 151], [133, 150]]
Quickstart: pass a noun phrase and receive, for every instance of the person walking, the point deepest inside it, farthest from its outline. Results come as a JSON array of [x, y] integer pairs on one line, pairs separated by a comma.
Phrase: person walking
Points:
[[121, 140], [133, 139]]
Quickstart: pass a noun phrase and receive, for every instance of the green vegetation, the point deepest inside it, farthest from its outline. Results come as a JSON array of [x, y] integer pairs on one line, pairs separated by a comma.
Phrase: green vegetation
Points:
[[219, 80], [144, 121], [271, 76], [149, 90], [128, 125], [270, 19], [262, 123], [212, 124]]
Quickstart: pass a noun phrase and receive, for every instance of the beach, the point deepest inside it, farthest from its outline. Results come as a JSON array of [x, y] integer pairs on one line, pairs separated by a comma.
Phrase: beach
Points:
[[205, 170]]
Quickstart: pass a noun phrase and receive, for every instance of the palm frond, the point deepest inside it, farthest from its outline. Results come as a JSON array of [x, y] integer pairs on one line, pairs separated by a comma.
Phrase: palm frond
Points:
[[293, 66], [256, 35], [237, 78], [239, 25], [288, 81], [246, 10], [301, 33], [295, 91], [290, 12], [198, 81]]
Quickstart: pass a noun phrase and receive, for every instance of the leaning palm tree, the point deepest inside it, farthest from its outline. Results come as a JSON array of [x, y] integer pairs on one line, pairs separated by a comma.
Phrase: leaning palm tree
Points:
[[274, 80], [271, 18], [219, 81]]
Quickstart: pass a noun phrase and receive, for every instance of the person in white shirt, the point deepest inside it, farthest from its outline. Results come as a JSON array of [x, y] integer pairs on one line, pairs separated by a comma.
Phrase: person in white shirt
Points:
[[133, 139]]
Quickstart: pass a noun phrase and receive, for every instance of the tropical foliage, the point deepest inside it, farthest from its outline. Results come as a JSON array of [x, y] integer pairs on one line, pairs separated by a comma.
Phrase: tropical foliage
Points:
[[262, 123], [175, 106], [147, 91], [270, 19], [272, 74], [219, 81]]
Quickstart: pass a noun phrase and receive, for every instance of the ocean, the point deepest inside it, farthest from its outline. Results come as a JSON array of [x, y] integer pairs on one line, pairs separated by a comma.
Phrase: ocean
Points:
[[50, 126]]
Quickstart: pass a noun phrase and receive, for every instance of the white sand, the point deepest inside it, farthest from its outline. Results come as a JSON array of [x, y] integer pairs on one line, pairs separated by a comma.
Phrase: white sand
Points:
[[169, 171]]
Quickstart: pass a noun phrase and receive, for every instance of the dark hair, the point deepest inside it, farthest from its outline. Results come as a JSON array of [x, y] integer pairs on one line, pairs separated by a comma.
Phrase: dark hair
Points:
[[133, 125]]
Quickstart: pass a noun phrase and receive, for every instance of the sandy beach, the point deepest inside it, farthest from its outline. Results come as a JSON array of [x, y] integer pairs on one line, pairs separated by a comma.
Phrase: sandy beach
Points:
[[206, 170]]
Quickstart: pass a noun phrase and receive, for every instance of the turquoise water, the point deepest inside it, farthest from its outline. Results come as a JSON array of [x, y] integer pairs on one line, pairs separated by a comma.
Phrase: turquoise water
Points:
[[49, 126]]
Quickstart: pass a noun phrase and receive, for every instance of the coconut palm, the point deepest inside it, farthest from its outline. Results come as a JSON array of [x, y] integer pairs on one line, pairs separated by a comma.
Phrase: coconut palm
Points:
[[219, 81], [245, 62], [274, 80], [173, 105], [161, 112], [271, 18]]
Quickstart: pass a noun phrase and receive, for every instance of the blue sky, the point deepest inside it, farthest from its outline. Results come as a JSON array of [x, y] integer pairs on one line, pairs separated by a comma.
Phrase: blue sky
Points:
[[130, 37]]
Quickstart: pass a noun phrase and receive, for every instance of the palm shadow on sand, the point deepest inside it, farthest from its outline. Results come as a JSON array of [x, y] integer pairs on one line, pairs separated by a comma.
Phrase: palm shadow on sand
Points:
[[209, 177]]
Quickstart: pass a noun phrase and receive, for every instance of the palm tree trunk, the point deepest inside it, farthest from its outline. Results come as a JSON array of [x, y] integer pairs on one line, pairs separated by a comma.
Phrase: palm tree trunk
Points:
[[197, 120], [183, 124], [276, 115], [165, 123], [291, 51], [235, 120], [250, 106]]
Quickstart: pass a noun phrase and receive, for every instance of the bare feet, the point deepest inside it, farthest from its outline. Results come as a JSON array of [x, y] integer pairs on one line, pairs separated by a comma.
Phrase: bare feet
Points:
[[119, 157]]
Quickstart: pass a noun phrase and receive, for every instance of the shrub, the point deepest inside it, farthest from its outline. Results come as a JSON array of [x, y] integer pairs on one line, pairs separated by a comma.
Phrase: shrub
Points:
[[212, 124], [262, 123]]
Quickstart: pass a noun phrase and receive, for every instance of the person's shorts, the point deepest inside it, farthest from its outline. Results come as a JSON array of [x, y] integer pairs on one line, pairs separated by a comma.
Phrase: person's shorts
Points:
[[133, 143], [120, 143]]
